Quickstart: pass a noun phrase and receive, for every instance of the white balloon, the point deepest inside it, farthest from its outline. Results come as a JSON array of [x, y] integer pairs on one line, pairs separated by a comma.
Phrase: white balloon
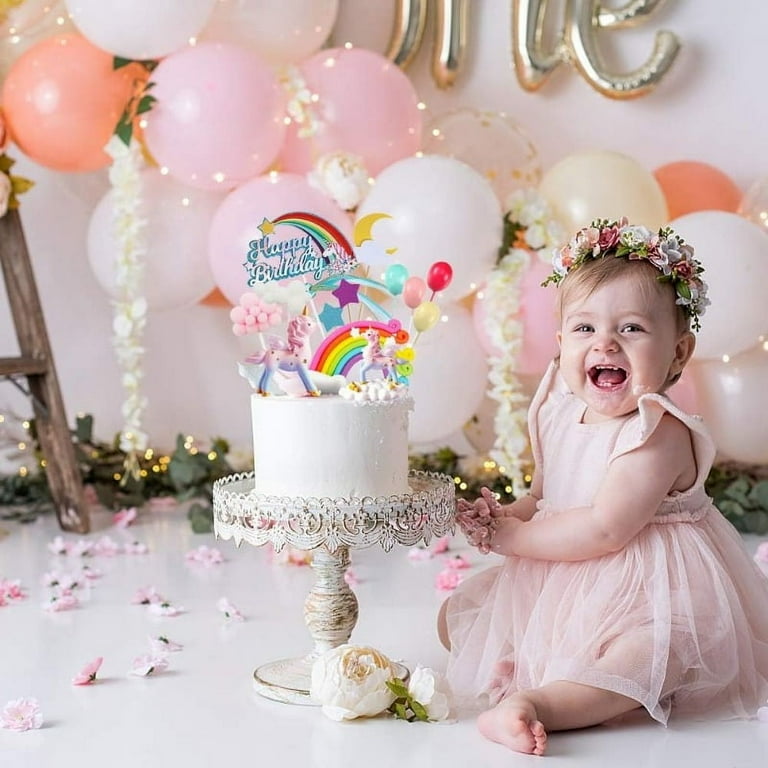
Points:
[[450, 376], [441, 210], [281, 33], [140, 29], [176, 269], [732, 400], [734, 253]]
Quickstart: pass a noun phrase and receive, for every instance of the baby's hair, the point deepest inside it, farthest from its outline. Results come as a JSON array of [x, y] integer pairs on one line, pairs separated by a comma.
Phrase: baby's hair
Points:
[[594, 273]]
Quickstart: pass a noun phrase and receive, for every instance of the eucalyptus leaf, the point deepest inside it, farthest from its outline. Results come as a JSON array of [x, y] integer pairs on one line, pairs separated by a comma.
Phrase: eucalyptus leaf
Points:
[[759, 495]]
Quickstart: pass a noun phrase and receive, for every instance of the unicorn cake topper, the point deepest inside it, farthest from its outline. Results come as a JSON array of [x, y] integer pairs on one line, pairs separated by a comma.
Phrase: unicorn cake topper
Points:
[[368, 358]]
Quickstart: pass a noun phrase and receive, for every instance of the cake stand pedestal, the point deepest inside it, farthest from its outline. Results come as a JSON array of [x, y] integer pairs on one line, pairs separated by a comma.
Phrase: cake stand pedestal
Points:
[[330, 528]]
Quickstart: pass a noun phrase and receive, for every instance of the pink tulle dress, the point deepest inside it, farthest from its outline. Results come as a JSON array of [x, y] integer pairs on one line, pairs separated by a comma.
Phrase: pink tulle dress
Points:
[[676, 620]]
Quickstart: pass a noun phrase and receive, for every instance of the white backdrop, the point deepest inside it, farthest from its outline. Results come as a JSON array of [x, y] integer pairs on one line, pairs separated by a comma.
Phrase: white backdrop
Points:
[[711, 107]]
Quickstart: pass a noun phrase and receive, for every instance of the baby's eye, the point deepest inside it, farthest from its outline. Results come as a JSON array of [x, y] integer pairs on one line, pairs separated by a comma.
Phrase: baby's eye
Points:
[[632, 328], [583, 328]]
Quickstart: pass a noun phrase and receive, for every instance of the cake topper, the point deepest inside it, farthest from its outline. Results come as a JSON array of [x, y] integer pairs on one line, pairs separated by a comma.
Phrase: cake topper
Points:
[[318, 263]]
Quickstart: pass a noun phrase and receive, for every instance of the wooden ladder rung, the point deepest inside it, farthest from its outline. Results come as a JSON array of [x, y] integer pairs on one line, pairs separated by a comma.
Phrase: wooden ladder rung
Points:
[[23, 365]]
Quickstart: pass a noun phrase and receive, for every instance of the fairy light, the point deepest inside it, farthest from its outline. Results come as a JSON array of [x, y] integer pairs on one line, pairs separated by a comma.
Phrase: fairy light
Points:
[[218, 177], [25, 424], [274, 176], [117, 477], [156, 469], [164, 170], [349, 46], [148, 454], [43, 463], [143, 473], [23, 471], [329, 62], [287, 120], [726, 358], [22, 446], [436, 132], [421, 106], [212, 455], [765, 346]]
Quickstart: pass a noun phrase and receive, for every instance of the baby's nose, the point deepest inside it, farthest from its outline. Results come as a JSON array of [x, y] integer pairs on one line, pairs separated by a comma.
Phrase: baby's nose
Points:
[[605, 341]]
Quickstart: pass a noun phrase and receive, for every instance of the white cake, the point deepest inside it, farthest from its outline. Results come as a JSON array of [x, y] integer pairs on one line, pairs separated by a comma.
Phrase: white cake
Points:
[[330, 446]]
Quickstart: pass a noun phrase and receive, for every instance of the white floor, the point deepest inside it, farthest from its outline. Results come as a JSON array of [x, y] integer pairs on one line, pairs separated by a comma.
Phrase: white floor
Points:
[[202, 711]]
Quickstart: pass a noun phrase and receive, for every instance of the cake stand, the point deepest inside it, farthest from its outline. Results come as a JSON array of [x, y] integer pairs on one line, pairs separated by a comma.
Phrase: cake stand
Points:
[[330, 528]]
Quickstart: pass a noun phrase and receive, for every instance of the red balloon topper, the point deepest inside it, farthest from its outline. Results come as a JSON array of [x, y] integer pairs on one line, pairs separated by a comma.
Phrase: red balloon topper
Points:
[[439, 276]]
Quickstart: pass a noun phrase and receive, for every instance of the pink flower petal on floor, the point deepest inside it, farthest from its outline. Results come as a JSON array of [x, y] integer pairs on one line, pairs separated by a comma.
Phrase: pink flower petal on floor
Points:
[[457, 562], [150, 664], [441, 546], [420, 553], [160, 644], [58, 546], [350, 577], [147, 596], [87, 674], [106, 547], [82, 548], [59, 603], [21, 715], [165, 608], [447, 580], [136, 548], [89, 573], [229, 610], [124, 517], [204, 555], [11, 589]]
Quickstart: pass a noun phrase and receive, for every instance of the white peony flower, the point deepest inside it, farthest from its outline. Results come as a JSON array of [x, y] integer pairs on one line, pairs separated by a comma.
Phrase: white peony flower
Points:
[[351, 681], [428, 688], [5, 193], [341, 176]]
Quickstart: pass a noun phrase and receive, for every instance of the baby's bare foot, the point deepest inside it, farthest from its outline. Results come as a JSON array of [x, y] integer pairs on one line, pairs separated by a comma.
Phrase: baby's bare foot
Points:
[[513, 723]]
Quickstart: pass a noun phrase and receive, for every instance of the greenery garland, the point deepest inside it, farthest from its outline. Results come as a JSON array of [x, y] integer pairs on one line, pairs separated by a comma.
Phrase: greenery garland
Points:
[[740, 492]]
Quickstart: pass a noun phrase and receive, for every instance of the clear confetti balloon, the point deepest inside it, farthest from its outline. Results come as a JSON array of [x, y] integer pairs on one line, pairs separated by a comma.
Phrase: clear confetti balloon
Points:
[[490, 142]]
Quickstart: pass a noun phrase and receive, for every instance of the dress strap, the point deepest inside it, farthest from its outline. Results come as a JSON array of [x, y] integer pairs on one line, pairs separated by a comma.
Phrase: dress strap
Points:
[[651, 409], [551, 383]]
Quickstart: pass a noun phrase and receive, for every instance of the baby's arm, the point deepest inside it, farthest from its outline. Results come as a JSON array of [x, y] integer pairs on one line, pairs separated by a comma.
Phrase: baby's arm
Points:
[[627, 499]]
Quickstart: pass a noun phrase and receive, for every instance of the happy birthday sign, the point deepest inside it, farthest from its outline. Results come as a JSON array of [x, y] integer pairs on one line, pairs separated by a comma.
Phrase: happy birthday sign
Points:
[[320, 250]]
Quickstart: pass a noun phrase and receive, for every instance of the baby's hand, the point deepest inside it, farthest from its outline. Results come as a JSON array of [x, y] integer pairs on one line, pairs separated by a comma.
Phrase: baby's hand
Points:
[[478, 519]]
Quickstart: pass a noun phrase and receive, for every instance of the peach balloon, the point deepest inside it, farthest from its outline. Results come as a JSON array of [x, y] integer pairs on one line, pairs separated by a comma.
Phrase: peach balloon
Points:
[[603, 185], [690, 186], [62, 100]]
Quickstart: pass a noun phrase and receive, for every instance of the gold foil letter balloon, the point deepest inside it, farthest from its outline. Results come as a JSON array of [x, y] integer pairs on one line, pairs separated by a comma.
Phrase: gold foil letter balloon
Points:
[[450, 36], [576, 44]]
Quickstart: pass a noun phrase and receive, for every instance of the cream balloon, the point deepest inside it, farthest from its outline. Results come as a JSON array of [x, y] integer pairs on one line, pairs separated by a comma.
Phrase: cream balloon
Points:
[[732, 397], [734, 254], [603, 185], [176, 269], [754, 204], [440, 208], [281, 33]]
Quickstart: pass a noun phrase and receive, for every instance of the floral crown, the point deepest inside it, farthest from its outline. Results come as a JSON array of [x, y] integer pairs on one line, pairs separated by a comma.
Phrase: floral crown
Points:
[[664, 249]]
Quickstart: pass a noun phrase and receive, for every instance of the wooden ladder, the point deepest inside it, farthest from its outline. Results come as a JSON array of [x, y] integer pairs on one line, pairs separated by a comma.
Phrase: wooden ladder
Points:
[[36, 363]]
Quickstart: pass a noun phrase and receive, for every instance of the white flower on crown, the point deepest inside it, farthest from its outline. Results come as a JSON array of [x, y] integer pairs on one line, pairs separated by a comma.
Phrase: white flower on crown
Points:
[[341, 176]]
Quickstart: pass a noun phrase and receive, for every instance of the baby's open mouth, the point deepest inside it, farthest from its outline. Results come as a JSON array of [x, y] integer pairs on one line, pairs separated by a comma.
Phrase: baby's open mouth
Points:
[[607, 376]]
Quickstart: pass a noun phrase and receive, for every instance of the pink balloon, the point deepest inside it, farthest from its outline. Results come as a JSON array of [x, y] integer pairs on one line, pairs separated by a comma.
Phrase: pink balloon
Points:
[[684, 393], [536, 316], [366, 106], [219, 116], [236, 223], [537, 313], [414, 290]]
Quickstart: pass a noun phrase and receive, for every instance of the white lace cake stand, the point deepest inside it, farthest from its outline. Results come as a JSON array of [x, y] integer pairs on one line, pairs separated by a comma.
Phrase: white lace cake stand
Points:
[[330, 528]]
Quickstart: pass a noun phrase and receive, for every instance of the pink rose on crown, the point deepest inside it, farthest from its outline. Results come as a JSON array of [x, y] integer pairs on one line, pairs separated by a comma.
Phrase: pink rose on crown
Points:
[[608, 238]]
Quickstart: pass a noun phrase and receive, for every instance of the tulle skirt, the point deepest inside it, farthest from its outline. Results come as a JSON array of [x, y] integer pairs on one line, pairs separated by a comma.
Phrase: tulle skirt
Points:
[[677, 619]]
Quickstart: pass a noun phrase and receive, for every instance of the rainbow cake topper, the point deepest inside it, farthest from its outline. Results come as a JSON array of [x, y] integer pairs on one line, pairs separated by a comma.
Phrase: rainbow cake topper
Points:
[[320, 249], [372, 351]]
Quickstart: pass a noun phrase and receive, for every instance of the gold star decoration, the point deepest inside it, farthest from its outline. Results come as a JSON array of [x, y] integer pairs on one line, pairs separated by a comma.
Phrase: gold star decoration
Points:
[[266, 227]]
